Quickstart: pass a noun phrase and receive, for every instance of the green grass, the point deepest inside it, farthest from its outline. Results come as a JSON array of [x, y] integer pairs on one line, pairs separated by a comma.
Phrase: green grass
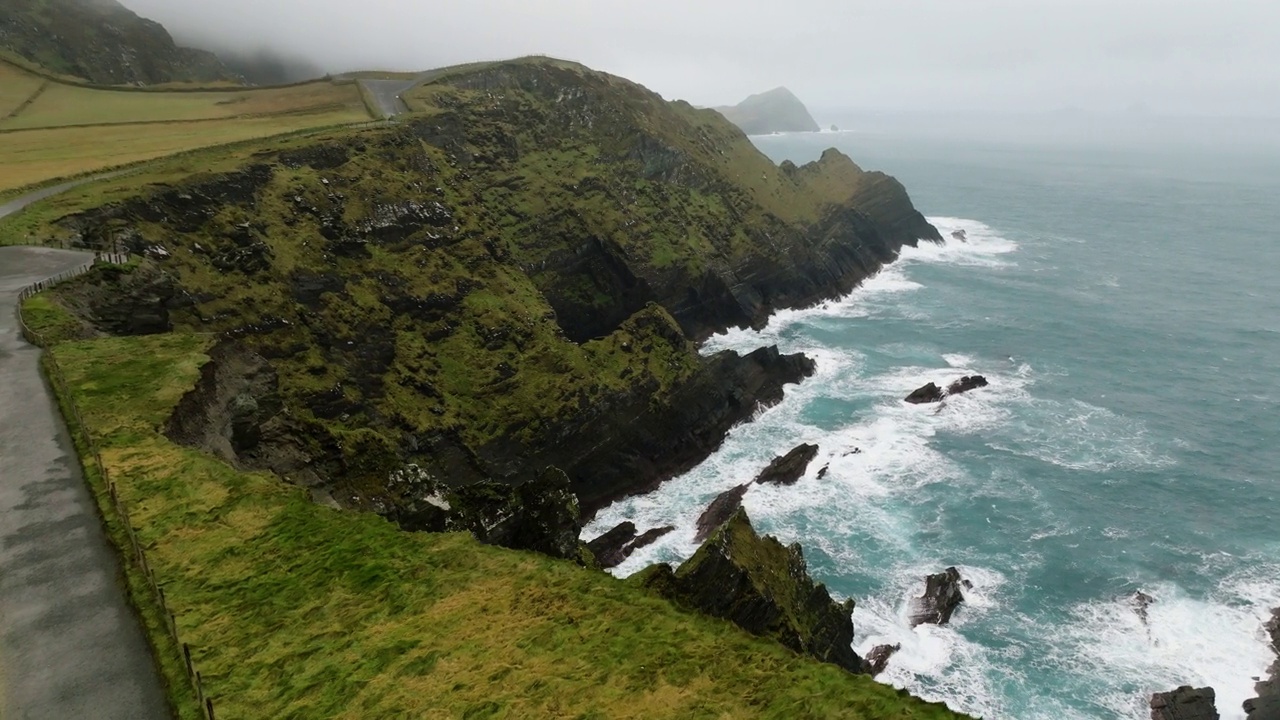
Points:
[[293, 610], [70, 130], [16, 87], [52, 322], [68, 105]]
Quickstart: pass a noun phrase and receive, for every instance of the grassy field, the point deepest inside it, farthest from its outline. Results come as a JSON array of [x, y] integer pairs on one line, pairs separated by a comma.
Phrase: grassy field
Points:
[[16, 87], [70, 129], [293, 610], [37, 156], [68, 105]]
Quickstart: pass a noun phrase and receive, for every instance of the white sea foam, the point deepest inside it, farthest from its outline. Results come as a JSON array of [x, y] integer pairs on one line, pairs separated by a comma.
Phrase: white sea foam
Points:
[[1213, 640], [867, 497]]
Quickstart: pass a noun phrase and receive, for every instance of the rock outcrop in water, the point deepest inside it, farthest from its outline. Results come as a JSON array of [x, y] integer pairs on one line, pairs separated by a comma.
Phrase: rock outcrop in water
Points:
[[1185, 703], [720, 510], [787, 469], [1266, 706], [942, 595], [931, 393], [878, 658], [763, 587], [1141, 601], [967, 383], [616, 545]]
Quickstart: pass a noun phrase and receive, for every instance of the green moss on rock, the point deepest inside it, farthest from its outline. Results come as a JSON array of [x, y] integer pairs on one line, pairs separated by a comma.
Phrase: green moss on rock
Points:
[[763, 587]]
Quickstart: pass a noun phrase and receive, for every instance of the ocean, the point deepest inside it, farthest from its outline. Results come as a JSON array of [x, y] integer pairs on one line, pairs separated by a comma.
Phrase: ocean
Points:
[[1120, 291]]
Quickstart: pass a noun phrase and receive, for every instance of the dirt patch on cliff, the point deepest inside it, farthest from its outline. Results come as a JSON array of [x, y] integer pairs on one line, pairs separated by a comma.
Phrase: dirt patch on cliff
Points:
[[235, 413]]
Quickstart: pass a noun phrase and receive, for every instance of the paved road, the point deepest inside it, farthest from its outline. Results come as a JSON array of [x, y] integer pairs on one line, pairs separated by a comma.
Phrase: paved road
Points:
[[17, 204], [386, 95], [70, 645]]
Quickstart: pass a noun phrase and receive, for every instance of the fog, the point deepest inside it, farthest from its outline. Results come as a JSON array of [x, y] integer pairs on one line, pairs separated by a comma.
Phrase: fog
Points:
[[1167, 57]]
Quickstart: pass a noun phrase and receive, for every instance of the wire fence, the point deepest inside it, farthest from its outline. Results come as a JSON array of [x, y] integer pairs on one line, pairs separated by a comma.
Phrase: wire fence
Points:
[[80, 433]]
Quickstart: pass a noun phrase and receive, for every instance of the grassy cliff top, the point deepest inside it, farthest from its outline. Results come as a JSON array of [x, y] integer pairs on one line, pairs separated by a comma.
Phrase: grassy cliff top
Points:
[[295, 610]]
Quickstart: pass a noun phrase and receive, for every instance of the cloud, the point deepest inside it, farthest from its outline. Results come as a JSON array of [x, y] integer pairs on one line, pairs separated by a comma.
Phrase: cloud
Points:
[[1174, 56]]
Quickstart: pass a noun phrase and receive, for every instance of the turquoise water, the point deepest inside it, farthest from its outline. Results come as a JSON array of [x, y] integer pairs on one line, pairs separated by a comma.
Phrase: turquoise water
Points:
[[1124, 302]]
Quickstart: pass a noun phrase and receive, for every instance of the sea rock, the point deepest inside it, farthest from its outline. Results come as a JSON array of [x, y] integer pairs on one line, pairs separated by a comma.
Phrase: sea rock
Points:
[[1266, 706], [1141, 601], [787, 469], [959, 235], [764, 588], [648, 538], [878, 658], [942, 595], [930, 393], [1185, 703], [720, 510], [615, 546], [608, 549], [967, 383]]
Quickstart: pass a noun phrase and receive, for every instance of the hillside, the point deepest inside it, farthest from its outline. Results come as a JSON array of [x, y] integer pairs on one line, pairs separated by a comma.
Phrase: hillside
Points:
[[777, 110], [511, 280], [442, 315], [103, 42]]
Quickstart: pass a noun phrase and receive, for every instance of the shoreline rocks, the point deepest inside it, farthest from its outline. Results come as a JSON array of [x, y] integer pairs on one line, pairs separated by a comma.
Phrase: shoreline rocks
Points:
[[932, 393], [1185, 703], [878, 658], [1266, 706], [720, 510], [788, 469], [942, 595], [615, 546]]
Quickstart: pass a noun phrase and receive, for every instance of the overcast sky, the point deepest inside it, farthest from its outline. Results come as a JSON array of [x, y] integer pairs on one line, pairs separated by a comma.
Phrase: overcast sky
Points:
[[1163, 56]]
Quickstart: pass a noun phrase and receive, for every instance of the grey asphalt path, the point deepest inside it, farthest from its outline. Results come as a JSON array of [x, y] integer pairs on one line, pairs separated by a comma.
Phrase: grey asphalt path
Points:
[[17, 204], [70, 645], [386, 95]]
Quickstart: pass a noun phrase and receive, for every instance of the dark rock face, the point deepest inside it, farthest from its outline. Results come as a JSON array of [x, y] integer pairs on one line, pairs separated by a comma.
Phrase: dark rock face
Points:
[[103, 42], [649, 537], [942, 595], [615, 546], [719, 511], [930, 393], [608, 548], [967, 383], [787, 469], [764, 588], [540, 515], [628, 446], [1185, 703], [878, 658], [1267, 705]]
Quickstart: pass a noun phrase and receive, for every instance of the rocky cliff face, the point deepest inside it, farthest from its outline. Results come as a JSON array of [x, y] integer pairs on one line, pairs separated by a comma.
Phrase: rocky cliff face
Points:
[[764, 588], [513, 280], [103, 42], [777, 110]]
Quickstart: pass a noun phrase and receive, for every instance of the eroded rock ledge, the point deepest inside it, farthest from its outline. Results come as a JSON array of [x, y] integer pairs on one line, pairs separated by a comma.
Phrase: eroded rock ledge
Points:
[[763, 587]]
